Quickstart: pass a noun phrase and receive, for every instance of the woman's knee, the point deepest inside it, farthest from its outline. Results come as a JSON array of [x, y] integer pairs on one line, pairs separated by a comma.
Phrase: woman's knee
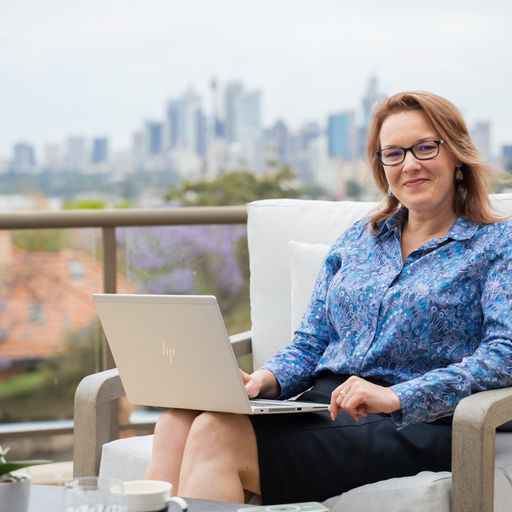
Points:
[[174, 421], [213, 430]]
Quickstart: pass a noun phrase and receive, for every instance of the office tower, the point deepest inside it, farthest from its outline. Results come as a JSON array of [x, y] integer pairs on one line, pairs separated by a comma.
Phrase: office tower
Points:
[[506, 155], [99, 150], [341, 135], [53, 157], [278, 143], [23, 159], [153, 138], [243, 127], [370, 99], [215, 113], [186, 124], [304, 151], [233, 96], [76, 155], [481, 135]]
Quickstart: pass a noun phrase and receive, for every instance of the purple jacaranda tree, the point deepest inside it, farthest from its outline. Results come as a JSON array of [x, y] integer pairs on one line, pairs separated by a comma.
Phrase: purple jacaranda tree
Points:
[[186, 259]]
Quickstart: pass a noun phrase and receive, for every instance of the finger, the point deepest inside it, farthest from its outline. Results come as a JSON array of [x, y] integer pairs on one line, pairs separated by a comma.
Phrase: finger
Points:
[[245, 376], [252, 387], [352, 403], [333, 406]]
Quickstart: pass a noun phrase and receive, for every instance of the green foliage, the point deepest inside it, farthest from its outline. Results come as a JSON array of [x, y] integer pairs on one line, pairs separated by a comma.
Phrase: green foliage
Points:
[[125, 203], [48, 391], [39, 240], [354, 190], [83, 204], [7, 467], [237, 187], [20, 385]]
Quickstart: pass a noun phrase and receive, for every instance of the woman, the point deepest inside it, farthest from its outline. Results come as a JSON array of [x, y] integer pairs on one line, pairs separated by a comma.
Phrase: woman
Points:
[[411, 312]]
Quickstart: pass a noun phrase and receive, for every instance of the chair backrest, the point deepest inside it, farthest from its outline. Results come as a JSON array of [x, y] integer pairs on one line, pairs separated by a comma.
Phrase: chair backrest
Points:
[[271, 225]]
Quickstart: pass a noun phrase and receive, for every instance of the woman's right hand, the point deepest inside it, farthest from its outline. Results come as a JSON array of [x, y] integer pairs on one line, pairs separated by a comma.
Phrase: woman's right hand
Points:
[[261, 383]]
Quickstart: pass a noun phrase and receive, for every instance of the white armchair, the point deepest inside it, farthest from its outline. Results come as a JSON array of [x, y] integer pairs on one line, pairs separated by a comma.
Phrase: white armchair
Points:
[[481, 477]]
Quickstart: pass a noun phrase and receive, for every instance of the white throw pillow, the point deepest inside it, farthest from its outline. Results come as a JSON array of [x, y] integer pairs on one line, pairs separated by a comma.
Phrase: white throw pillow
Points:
[[305, 263]]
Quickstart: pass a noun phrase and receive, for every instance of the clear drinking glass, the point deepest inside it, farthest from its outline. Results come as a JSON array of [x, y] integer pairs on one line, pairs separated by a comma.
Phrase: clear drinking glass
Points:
[[94, 494]]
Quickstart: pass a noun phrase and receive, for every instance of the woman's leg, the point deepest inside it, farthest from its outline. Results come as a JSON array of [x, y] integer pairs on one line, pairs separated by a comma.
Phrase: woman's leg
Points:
[[171, 432], [220, 458]]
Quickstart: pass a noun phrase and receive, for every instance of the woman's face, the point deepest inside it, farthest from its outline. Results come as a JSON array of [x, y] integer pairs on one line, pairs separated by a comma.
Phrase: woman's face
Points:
[[423, 186]]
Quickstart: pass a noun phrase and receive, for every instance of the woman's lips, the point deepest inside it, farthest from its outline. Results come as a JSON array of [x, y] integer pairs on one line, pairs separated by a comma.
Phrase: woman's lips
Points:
[[415, 183]]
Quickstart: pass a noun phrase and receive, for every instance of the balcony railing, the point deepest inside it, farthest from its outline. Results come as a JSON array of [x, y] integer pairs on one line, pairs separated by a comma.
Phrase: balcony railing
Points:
[[108, 221]]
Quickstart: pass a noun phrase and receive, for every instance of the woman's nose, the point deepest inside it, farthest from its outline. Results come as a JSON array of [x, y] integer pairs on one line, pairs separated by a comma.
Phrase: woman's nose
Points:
[[410, 163]]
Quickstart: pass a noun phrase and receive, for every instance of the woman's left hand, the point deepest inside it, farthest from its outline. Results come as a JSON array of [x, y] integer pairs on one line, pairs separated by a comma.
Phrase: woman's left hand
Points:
[[358, 397]]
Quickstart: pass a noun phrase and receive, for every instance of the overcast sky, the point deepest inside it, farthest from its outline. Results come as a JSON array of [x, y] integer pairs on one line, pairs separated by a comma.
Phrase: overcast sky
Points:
[[101, 67]]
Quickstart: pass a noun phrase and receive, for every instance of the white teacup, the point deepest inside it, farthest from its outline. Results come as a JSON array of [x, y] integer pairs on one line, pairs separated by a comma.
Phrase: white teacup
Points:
[[150, 496]]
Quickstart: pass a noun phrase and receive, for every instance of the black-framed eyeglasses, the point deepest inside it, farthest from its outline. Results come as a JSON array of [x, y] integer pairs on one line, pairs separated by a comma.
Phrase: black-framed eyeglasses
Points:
[[421, 150]]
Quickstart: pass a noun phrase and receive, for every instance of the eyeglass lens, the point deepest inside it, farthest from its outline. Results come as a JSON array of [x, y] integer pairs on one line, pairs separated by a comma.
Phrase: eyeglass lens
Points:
[[422, 151]]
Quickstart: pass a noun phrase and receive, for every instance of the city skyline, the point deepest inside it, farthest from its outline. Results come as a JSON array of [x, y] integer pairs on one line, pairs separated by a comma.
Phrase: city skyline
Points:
[[103, 68]]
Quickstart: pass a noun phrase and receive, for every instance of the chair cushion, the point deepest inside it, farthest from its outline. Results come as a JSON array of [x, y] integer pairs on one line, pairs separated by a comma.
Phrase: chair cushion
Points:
[[128, 458], [271, 224], [305, 263]]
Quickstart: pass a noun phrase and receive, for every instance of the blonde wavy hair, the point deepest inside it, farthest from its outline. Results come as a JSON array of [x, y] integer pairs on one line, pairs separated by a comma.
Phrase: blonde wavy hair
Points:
[[472, 193]]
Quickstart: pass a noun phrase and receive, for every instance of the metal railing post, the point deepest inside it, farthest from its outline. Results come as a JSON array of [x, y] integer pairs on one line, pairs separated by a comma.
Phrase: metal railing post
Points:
[[109, 281], [108, 235]]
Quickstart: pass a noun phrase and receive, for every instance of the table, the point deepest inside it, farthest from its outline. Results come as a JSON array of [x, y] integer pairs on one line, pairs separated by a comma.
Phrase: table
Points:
[[48, 498]]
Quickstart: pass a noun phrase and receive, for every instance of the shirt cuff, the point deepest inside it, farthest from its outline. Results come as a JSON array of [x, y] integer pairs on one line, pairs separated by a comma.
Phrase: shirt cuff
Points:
[[409, 396]]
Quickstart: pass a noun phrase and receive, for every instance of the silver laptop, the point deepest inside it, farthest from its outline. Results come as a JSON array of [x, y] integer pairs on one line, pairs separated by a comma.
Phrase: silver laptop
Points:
[[174, 351]]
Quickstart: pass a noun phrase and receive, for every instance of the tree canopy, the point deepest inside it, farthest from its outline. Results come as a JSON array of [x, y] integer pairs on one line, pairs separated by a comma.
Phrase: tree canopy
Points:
[[236, 187]]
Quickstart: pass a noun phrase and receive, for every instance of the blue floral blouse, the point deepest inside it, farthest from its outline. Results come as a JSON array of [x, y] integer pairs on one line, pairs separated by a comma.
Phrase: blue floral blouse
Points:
[[438, 328]]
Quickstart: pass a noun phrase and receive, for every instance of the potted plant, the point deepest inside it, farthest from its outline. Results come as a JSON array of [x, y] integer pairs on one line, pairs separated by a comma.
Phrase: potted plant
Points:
[[14, 489]]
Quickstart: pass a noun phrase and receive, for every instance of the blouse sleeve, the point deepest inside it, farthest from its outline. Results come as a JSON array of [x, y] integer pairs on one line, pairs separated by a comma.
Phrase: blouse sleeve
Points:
[[294, 365], [436, 393]]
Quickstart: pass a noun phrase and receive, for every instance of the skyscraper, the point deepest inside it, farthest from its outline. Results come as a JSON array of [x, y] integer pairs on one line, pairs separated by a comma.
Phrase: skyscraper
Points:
[[233, 97], [341, 135], [186, 124], [506, 155], [481, 135], [370, 99], [99, 150], [76, 156], [23, 157], [153, 138]]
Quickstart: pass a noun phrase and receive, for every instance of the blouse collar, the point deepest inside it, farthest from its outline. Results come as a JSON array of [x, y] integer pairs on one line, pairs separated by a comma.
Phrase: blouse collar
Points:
[[461, 229]]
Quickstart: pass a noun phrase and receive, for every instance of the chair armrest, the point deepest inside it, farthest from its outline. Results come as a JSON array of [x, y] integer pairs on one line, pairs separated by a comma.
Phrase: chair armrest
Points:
[[94, 399], [241, 343], [474, 448]]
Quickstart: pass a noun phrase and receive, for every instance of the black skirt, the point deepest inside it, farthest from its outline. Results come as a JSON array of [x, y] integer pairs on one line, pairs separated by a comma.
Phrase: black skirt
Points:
[[309, 457]]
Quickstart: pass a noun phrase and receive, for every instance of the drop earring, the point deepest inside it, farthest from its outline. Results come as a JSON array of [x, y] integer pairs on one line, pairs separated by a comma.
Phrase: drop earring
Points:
[[389, 193], [458, 175]]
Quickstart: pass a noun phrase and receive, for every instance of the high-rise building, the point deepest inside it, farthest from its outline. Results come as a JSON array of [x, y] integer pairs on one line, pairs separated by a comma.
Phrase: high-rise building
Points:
[[53, 157], [481, 135], [506, 155], [233, 97], [153, 138], [23, 158], [242, 114], [341, 135], [370, 99], [244, 131], [278, 143], [76, 154], [186, 124], [99, 150]]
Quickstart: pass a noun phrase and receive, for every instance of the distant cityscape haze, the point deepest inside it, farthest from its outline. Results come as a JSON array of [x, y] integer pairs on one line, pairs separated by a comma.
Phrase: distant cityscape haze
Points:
[[103, 68]]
